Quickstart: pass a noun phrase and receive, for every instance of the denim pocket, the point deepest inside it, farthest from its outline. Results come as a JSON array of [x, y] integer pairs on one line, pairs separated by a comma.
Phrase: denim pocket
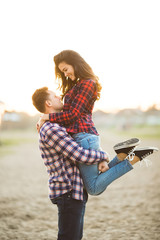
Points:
[[88, 141], [84, 143], [93, 143]]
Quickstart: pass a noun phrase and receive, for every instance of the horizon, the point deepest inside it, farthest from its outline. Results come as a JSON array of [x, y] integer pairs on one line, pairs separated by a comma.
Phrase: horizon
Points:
[[154, 106]]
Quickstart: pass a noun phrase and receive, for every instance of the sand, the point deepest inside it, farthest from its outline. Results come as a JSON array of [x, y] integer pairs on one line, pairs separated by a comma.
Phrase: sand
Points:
[[129, 209]]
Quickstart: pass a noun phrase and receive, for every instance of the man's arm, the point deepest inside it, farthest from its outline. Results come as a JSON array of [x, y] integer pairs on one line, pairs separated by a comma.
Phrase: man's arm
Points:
[[60, 140]]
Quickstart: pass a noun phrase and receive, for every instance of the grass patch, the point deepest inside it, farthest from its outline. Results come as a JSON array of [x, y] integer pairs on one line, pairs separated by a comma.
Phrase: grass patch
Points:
[[9, 142], [144, 132], [11, 138]]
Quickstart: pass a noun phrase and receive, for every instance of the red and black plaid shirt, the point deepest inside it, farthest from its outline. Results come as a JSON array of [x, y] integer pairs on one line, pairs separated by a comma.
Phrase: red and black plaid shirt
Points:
[[77, 110]]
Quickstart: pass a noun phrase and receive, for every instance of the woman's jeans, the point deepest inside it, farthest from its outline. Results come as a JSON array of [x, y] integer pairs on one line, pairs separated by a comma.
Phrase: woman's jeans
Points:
[[95, 182]]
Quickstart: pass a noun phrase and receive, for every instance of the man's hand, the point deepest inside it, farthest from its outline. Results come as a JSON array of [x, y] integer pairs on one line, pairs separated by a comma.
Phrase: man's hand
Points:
[[103, 166]]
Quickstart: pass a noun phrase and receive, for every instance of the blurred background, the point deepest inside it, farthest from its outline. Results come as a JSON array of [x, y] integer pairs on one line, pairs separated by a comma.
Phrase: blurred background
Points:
[[120, 41]]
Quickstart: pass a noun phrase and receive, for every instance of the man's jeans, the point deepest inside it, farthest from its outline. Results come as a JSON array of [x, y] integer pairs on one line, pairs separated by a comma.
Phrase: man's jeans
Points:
[[70, 216], [94, 182]]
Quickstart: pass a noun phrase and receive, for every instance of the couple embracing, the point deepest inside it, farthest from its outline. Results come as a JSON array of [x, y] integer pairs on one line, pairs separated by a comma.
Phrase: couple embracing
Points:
[[69, 143]]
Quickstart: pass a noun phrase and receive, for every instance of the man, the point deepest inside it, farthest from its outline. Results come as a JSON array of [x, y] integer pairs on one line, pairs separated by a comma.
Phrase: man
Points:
[[60, 154]]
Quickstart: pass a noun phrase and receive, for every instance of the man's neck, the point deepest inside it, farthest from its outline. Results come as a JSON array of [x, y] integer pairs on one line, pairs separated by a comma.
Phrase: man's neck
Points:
[[48, 111]]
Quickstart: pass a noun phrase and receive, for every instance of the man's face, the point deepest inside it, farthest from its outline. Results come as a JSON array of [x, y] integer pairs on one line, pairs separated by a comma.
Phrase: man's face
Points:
[[55, 101]]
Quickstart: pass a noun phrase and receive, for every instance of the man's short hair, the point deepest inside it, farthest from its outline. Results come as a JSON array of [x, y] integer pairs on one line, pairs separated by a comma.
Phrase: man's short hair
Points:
[[39, 97]]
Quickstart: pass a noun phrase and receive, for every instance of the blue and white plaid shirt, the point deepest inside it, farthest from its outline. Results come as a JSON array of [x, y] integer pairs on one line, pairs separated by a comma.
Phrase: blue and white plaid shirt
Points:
[[60, 154]]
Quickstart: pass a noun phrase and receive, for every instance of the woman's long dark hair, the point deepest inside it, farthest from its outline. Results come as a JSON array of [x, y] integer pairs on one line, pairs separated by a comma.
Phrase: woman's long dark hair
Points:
[[82, 70]]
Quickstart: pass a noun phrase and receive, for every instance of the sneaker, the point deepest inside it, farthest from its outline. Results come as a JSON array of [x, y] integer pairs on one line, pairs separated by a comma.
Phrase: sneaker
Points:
[[126, 146], [144, 152]]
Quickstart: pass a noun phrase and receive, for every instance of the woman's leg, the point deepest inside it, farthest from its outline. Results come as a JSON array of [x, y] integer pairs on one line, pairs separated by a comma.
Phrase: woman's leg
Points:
[[94, 182], [114, 162], [89, 173], [106, 178]]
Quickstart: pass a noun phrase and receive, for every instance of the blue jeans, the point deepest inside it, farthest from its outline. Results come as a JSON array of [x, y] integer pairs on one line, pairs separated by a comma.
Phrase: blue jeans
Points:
[[70, 216], [95, 182]]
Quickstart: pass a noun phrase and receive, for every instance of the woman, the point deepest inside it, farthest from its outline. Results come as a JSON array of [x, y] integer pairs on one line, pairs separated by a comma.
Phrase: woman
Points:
[[80, 89]]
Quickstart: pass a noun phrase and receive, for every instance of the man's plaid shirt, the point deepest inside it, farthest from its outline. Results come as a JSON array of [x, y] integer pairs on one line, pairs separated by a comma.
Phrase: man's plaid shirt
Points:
[[77, 110], [60, 154]]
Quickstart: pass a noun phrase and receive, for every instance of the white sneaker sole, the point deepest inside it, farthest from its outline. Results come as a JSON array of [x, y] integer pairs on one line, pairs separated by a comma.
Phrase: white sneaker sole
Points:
[[154, 149], [128, 143]]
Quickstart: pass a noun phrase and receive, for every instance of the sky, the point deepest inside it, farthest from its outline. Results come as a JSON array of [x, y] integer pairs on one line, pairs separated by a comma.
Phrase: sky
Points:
[[120, 39]]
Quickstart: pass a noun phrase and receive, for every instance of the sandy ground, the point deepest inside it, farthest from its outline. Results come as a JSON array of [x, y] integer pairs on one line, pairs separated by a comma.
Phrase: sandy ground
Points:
[[129, 209]]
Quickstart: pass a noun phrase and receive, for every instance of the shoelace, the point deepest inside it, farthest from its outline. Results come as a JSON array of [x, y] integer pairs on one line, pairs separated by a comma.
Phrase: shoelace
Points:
[[130, 156], [145, 161]]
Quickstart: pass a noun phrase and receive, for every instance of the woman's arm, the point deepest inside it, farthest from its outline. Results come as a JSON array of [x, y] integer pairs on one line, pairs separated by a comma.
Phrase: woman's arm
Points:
[[82, 99]]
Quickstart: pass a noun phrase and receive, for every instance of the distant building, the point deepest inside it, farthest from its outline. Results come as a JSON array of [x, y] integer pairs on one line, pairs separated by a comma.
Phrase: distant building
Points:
[[16, 120], [12, 117], [127, 118]]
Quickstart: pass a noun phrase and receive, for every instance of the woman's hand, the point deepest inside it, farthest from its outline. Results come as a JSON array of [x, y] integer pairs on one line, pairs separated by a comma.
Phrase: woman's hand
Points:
[[43, 118], [103, 166]]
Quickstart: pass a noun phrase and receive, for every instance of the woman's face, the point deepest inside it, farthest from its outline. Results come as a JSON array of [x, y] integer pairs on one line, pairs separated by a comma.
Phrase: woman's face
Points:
[[67, 69]]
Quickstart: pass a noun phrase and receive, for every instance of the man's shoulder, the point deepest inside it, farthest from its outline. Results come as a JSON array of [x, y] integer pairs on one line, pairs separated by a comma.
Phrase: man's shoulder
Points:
[[49, 127]]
